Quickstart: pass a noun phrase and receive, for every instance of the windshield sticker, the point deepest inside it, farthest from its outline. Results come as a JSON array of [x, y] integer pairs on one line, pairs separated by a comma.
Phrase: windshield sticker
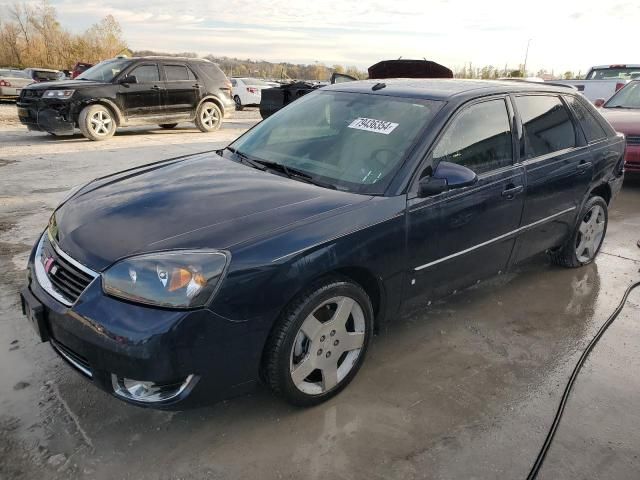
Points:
[[373, 125]]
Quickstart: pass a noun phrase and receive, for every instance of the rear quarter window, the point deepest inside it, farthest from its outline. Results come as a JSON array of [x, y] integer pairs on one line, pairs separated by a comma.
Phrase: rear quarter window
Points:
[[547, 125], [591, 127], [212, 72]]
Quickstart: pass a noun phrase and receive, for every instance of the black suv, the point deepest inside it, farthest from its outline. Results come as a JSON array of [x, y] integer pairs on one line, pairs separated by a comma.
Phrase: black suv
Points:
[[130, 91]]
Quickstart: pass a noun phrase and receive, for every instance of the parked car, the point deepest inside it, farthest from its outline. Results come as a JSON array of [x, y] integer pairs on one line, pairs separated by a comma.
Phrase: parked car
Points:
[[12, 82], [44, 74], [276, 98], [247, 92], [80, 67], [277, 257], [122, 92], [623, 112], [603, 81]]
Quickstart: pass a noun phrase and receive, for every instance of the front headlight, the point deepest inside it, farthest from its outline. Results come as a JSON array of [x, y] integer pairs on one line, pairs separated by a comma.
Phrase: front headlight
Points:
[[58, 93], [176, 279]]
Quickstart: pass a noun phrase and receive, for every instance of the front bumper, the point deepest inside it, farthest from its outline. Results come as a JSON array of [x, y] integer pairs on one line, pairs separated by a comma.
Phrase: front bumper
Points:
[[53, 116], [632, 159], [209, 357]]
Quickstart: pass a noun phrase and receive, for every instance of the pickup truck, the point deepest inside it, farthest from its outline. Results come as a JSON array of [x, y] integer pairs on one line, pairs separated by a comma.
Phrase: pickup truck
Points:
[[602, 81]]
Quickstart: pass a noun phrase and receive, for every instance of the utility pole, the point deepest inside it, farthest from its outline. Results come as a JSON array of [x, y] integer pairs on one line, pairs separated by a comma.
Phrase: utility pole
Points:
[[526, 55]]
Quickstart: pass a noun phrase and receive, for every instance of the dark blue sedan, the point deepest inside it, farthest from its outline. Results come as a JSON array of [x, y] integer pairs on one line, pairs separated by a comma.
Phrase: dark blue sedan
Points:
[[278, 257]]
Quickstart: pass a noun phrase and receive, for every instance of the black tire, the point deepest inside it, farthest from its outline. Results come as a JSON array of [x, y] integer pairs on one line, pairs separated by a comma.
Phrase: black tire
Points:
[[168, 126], [278, 356], [239, 105], [208, 117], [100, 131], [567, 255]]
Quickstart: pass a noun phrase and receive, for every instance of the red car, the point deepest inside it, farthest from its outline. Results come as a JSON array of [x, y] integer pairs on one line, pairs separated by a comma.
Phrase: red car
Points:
[[79, 68], [622, 110]]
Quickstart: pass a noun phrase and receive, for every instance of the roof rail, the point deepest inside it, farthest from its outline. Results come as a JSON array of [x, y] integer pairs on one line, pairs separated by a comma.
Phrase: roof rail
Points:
[[534, 82]]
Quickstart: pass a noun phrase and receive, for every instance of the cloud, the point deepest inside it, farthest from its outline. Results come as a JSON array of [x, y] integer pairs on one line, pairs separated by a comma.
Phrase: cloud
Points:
[[564, 35]]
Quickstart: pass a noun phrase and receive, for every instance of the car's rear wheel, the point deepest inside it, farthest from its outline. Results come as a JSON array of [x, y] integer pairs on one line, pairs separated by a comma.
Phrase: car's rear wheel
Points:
[[97, 122], [239, 105], [319, 342], [168, 126], [208, 117], [586, 240]]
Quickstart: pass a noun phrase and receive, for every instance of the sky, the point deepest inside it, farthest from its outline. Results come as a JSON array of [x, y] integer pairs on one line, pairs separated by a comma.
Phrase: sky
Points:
[[563, 34]]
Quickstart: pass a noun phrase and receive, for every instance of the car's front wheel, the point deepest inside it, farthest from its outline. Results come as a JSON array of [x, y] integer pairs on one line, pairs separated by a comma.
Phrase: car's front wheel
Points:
[[208, 117], [319, 342], [585, 242], [97, 122]]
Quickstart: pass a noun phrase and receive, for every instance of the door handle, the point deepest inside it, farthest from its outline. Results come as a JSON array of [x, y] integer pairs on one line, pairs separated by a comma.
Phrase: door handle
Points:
[[157, 88], [196, 85], [512, 191], [584, 166]]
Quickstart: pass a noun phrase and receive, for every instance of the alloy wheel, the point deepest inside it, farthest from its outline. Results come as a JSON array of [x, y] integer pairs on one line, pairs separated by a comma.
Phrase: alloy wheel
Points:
[[327, 345], [101, 122], [590, 234], [209, 117]]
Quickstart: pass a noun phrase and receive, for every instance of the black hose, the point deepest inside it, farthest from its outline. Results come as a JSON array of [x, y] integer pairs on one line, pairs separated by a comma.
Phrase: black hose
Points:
[[567, 390]]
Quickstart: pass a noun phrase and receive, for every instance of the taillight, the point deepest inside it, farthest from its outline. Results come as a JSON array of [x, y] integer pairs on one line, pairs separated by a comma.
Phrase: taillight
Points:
[[4, 83], [619, 85], [252, 90]]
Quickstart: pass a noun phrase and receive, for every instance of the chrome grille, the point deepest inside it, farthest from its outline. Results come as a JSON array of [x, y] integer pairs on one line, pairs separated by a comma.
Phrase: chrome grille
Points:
[[633, 140], [61, 276]]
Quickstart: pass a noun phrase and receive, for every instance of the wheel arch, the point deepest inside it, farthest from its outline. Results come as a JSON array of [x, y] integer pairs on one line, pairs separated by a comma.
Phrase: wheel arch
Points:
[[214, 99], [602, 190], [120, 121]]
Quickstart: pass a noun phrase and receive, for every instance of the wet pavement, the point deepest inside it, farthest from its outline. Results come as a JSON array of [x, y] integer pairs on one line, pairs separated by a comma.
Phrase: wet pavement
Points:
[[464, 389]]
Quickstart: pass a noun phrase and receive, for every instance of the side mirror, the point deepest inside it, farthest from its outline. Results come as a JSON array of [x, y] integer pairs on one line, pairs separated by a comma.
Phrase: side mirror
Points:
[[129, 79], [599, 102], [447, 176]]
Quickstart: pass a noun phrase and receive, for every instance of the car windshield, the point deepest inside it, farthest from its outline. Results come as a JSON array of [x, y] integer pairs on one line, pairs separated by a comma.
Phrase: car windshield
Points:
[[622, 73], [47, 75], [352, 141], [255, 81], [627, 97], [105, 71]]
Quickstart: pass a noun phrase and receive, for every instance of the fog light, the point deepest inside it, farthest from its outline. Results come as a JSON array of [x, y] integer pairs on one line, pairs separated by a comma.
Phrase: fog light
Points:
[[149, 392]]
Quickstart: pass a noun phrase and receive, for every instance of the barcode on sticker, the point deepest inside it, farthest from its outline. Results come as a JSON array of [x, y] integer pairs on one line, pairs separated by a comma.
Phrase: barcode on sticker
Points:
[[373, 125]]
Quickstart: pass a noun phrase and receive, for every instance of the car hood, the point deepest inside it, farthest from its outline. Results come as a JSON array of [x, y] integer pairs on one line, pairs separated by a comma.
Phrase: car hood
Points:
[[625, 120], [65, 84], [203, 201]]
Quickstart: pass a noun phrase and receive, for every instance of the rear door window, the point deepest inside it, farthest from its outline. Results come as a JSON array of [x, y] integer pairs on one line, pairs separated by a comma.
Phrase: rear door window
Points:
[[478, 138], [146, 73], [547, 125], [592, 129], [176, 73]]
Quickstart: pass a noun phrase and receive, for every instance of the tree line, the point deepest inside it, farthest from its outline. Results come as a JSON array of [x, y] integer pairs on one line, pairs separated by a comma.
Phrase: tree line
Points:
[[32, 36]]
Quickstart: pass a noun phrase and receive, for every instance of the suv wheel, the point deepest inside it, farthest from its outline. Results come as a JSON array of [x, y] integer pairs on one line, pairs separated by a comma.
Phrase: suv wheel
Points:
[[209, 117], [239, 106], [97, 122], [319, 342], [583, 246], [168, 126]]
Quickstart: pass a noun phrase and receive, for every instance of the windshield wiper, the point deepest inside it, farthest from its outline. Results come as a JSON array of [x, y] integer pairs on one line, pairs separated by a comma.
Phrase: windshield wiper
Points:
[[294, 173], [245, 159]]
